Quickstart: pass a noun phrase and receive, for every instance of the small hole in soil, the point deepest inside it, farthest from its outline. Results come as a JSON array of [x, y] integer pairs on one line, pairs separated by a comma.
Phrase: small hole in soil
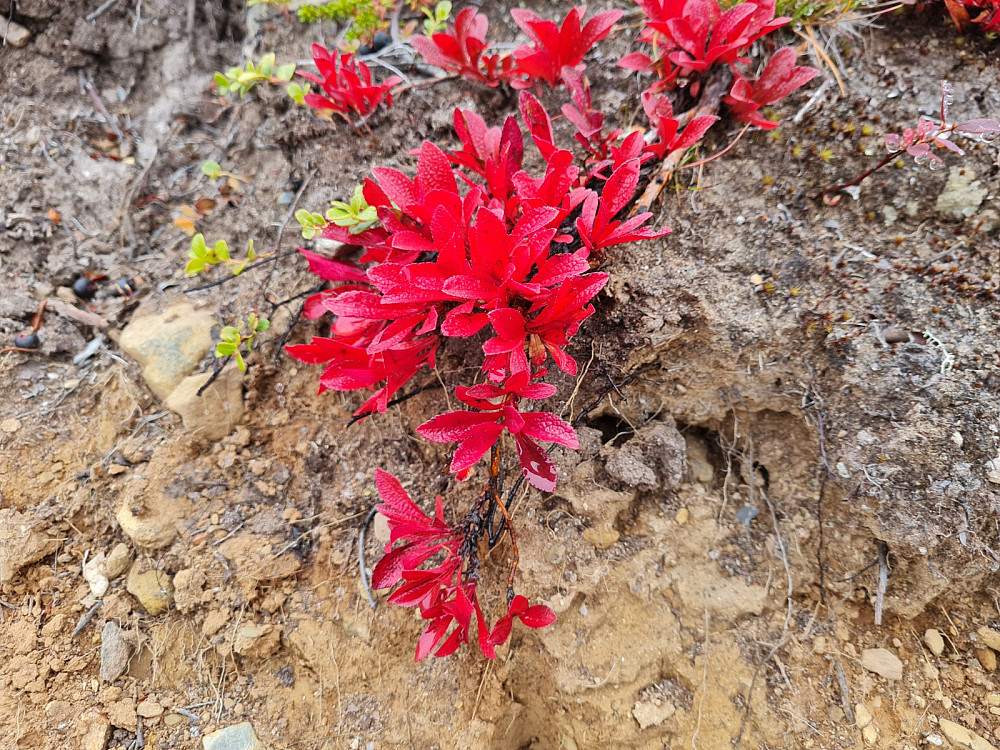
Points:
[[710, 438], [613, 430]]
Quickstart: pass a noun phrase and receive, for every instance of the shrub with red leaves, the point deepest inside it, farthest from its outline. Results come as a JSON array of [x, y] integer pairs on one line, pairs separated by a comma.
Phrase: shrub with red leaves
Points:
[[556, 47], [780, 78], [476, 246], [347, 84], [461, 49]]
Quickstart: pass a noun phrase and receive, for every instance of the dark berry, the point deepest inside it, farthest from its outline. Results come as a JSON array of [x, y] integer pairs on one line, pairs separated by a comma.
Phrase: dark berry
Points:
[[380, 41], [365, 49], [84, 288], [27, 341]]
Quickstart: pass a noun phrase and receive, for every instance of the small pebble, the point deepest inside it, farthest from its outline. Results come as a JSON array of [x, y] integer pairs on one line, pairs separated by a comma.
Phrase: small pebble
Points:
[[934, 641]]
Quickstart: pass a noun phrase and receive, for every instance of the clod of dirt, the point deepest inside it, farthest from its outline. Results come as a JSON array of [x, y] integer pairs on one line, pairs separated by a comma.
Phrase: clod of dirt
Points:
[[149, 709], [961, 737], [214, 413], [118, 561], [600, 505], [149, 519], [236, 737], [882, 662], [934, 641], [168, 345], [257, 641], [98, 729], [655, 456], [188, 588], [153, 589], [22, 542], [117, 646], [962, 195]]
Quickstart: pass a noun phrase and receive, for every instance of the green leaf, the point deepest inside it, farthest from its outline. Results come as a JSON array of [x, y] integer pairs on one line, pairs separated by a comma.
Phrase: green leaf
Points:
[[263, 324], [198, 247], [267, 64], [211, 169], [230, 333], [239, 362], [194, 267], [225, 350], [221, 81], [285, 72], [221, 250]]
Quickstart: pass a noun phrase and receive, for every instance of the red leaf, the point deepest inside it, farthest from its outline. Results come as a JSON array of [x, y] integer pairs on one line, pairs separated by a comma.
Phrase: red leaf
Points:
[[538, 616], [455, 425], [536, 465]]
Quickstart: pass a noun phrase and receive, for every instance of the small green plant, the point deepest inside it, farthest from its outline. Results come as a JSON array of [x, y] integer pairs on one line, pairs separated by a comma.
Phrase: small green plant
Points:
[[232, 339], [356, 216], [201, 256], [242, 80], [437, 19], [368, 16]]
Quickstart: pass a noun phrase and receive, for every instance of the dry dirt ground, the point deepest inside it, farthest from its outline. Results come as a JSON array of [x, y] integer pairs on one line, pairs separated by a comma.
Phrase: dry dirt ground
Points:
[[832, 372]]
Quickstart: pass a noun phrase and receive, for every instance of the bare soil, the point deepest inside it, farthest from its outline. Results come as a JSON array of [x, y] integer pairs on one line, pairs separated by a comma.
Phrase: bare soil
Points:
[[832, 370]]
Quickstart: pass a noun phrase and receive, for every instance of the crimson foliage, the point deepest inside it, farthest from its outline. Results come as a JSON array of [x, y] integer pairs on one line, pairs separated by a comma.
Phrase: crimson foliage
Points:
[[476, 245]]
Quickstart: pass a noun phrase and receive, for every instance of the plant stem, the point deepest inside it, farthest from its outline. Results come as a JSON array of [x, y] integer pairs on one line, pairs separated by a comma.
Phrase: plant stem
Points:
[[857, 180]]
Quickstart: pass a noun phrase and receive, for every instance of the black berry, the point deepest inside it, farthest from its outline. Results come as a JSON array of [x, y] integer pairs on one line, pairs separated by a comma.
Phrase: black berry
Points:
[[380, 41], [27, 341], [84, 288], [365, 49]]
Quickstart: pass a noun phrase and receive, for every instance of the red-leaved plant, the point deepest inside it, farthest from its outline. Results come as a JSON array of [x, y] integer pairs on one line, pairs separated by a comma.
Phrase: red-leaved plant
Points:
[[921, 141], [347, 84], [474, 245]]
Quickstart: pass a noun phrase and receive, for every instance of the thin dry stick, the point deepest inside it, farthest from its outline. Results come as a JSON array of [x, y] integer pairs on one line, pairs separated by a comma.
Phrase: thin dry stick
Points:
[[479, 693], [100, 11], [361, 556], [883, 580], [709, 103]]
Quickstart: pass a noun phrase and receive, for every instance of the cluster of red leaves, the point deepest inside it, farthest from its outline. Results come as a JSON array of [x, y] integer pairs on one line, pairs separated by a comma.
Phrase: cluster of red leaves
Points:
[[347, 84], [987, 14], [691, 37], [445, 262], [445, 594], [473, 245], [555, 47]]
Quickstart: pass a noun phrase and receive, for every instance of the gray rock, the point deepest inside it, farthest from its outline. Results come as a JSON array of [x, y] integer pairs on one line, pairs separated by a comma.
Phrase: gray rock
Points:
[[236, 737], [656, 456], [962, 195], [116, 649], [168, 345]]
